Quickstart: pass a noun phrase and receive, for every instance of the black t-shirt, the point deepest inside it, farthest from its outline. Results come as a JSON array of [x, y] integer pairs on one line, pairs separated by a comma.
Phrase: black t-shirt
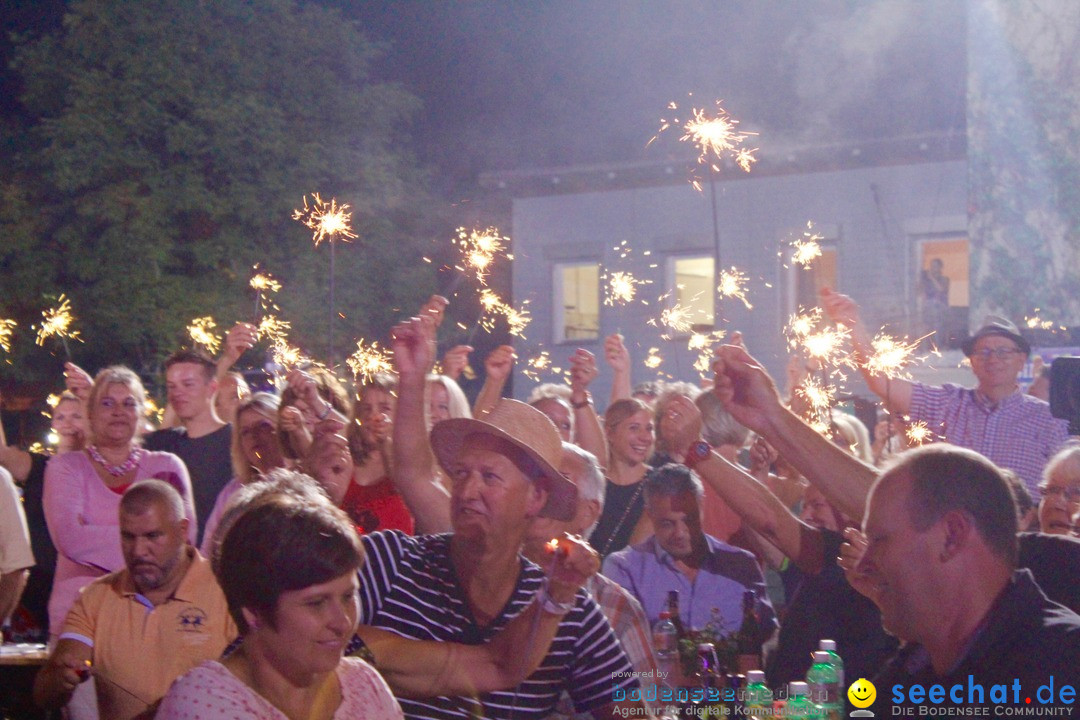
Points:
[[208, 460], [825, 607], [623, 506]]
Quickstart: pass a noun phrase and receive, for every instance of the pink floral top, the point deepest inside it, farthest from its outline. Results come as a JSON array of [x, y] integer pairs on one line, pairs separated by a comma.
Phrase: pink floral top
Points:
[[211, 691]]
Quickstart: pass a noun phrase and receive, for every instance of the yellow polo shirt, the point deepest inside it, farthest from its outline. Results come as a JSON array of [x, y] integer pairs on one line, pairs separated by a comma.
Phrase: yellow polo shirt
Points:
[[139, 649]]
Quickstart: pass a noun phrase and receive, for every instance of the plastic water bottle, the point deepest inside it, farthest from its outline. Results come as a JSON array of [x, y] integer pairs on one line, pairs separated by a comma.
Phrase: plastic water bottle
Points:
[[665, 639], [757, 696], [798, 706], [824, 687], [829, 646]]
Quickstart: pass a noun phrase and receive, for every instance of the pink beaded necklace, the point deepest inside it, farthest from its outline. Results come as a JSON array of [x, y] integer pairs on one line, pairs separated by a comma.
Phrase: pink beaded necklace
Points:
[[123, 468]]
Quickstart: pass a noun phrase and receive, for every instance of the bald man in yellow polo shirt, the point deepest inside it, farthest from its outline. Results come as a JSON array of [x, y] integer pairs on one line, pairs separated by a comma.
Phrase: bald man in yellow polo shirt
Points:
[[138, 629]]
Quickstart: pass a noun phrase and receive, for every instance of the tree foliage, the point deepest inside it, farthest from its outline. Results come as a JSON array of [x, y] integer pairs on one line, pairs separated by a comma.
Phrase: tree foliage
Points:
[[165, 147]]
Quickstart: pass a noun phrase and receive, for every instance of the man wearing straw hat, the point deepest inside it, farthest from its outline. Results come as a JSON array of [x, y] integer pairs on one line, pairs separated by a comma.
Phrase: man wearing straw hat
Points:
[[466, 585]]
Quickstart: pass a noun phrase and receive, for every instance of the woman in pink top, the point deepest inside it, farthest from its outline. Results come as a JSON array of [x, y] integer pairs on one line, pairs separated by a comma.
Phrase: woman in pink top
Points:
[[83, 488]]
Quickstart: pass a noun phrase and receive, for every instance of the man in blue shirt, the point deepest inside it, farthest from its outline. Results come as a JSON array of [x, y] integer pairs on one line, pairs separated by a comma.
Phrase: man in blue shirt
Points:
[[709, 574]]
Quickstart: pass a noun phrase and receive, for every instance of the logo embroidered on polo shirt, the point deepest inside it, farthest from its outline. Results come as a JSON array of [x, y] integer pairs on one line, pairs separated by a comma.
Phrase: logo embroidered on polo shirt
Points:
[[192, 620]]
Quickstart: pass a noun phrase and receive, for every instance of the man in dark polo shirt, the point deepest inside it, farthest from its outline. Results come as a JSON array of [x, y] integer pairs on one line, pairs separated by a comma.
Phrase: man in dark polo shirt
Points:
[[201, 440]]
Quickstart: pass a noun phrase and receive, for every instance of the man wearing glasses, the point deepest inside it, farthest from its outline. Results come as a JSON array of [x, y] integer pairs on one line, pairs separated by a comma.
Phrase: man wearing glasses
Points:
[[1016, 431]]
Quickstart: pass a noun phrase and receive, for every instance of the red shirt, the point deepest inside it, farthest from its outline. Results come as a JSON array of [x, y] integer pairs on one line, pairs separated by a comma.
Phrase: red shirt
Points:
[[377, 507]]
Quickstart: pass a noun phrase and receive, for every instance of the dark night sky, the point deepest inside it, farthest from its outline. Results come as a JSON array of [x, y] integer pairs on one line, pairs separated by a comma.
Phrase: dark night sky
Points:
[[514, 85]]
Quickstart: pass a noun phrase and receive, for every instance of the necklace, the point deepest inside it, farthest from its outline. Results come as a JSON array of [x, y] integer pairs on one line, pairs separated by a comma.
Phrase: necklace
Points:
[[123, 468], [626, 512]]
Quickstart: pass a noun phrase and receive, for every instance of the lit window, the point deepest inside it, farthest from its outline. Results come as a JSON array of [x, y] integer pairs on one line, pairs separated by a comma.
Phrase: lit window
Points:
[[577, 302], [691, 287]]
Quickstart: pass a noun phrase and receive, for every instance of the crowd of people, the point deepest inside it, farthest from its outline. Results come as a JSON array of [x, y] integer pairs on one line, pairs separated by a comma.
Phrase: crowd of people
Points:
[[388, 550]]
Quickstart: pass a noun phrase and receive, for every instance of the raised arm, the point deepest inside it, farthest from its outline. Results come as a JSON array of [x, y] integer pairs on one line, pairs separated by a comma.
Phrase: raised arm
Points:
[[750, 395], [15, 460], [497, 367], [418, 668], [240, 339], [618, 358], [413, 343], [842, 310], [588, 432], [759, 508]]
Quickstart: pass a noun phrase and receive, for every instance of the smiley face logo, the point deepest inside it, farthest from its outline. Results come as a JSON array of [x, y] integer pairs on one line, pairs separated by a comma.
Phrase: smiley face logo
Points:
[[862, 693]]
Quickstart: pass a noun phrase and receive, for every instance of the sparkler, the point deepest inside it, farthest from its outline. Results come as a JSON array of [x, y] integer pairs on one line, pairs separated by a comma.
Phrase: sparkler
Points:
[[369, 360], [918, 433], [6, 328], [272, 328], [826, 344], [891, 356], [201, 331], [801, 325], [677, 317], [621, 288], [479, 248], [327, 222], [807, 248], [57, 321], [714, 133], [733, 284], [285, 355], [491, 306], [262, 282], [653, 359]]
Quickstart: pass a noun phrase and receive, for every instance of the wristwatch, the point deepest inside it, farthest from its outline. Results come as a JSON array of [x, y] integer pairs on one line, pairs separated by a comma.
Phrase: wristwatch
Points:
[[583, 404], [697, 452]]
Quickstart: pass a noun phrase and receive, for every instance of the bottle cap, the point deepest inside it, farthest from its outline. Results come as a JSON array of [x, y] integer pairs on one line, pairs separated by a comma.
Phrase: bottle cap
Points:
[[822, 656], [665, 615], [827, 645], [798, 688], [755, 676]]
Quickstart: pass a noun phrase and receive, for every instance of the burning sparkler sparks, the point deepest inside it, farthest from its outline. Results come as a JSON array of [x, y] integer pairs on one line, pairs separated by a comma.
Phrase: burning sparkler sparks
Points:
[[201, 331], [479, 248], [807, 248], [653, 359], [714, 133], [733, 285], [57, 321], [801, 325], [327, 221], [678, 318], [285, 355], [891, 356], [493, 306], [264, 282], [272, 328], [369, 360], [6, 328], [826, 344], [621, 287], [918, 433], [818, 395]]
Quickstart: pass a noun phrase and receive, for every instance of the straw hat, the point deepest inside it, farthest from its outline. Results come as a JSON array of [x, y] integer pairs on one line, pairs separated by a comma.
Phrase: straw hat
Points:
[[526, 428]]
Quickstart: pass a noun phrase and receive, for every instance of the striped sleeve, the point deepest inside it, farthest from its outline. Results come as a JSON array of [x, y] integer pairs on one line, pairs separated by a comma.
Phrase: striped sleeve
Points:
[[600, 665], [382, 552]]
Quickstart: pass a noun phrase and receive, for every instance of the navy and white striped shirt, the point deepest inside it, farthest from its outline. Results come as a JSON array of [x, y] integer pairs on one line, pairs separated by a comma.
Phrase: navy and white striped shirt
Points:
[[408, 586]]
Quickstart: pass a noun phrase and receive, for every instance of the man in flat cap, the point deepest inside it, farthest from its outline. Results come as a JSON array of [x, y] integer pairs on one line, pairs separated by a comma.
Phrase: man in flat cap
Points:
[[994, 418]]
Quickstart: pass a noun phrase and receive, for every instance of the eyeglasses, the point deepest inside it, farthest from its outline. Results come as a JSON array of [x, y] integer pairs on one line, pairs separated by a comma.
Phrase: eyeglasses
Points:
[[1071, 493], [999, 353]]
